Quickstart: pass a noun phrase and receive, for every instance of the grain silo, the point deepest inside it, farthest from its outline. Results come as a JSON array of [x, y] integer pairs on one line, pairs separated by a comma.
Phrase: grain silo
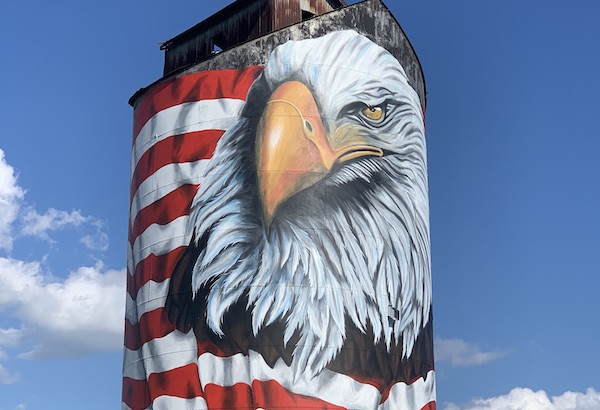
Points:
[[279, 220]]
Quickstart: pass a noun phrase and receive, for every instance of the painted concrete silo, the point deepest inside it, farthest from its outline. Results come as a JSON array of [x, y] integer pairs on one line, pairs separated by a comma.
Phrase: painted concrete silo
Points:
[[279, 222]]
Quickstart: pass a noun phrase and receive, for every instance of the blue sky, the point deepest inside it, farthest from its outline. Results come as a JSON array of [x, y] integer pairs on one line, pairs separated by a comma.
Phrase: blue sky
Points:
[[513, 139]]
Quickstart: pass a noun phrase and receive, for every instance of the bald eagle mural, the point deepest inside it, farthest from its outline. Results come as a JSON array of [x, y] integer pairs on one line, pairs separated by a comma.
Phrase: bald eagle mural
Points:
[[308, 260]]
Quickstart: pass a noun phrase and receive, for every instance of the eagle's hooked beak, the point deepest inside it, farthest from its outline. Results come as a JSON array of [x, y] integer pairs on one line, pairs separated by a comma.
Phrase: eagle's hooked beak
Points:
[[293, 150]]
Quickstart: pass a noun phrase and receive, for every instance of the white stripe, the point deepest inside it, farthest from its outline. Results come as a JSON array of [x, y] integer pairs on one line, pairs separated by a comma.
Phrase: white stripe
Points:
[[133, 364], [150, 296], [187, 117], [130, 264], [178, 403], [173, 403], [412, 396], [329, 386], [160, 239], [160, 355], [124, 406], [164, 181]]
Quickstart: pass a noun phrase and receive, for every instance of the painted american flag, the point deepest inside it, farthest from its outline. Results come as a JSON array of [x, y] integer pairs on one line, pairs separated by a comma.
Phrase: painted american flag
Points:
[[177, 124]]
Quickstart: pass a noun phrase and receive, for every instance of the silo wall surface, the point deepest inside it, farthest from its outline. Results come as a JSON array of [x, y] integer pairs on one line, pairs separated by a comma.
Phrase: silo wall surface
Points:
[[279, 226]]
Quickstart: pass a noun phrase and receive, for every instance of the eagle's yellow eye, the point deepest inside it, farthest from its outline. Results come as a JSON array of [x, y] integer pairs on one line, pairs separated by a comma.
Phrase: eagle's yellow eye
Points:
[[375, 113]]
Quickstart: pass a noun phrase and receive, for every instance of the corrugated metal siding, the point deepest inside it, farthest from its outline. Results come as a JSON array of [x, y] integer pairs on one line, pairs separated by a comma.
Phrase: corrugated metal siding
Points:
[[265, 21], [318, 6], [286, 13]]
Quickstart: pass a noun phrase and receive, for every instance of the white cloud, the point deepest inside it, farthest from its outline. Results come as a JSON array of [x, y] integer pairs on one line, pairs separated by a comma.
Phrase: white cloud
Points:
[[39, 225], [35, 224], [21, 406], [96, 242], [11, 195], [7, 377], [526, 399], [79, 314], [10, 337], [461, 353]]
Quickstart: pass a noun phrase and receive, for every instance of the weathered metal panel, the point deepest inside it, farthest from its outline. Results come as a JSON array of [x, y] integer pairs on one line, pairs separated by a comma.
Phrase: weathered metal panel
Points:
[[286, 13], [316, 7], [266, 25]]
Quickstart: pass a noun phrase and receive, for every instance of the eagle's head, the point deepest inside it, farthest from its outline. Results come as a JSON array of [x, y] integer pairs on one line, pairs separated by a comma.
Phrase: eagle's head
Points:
[[314, 209]]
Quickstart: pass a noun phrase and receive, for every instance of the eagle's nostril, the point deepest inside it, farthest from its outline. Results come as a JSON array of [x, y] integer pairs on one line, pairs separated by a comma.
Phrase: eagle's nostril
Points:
[[309, 129]]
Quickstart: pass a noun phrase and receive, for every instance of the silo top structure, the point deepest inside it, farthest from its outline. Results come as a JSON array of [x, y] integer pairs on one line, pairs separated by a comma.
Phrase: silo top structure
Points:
[[241, 21], [279, 222]]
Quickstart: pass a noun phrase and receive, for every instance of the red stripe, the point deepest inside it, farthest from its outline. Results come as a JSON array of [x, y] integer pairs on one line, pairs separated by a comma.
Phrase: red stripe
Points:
[[270, 395], [131, 286], [152, 325], [206, 346], [180, 382], [132, 336], [155, 268], [238, 396], [188, 147], [135, 393], [165, 210], [205, 85], [429, 406]]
